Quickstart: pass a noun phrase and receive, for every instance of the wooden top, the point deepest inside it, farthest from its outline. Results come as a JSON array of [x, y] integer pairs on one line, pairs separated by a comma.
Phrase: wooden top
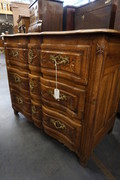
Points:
[[86, 31], [22, 16]]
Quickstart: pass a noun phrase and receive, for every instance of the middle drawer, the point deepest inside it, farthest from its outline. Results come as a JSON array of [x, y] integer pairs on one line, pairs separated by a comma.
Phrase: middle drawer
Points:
[[71, 101], [19, 80]]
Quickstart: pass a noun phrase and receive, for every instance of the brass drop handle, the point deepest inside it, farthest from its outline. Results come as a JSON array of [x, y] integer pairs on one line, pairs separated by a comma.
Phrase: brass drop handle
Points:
[[63, 97], [31, 84], [83, 17], [17, 78], [19, 100], [59, 59], [30, 56], [58, 124], [34, 110], [15, 53]]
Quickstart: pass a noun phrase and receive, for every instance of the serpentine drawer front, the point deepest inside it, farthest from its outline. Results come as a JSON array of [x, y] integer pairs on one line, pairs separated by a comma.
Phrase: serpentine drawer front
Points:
[[16, 54], [61, 128], [71, 101], [21, 103], [18, 79], [71, 61], [66, 83]]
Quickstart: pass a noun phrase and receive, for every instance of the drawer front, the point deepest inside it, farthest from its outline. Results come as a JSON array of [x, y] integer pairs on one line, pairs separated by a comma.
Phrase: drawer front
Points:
[[71, 101], [34, 56], [36, 113], [18, 79], [72, 61], [34, 84], [21, 103], [17, 57], [17, 54], [60, 127], [89, 20]]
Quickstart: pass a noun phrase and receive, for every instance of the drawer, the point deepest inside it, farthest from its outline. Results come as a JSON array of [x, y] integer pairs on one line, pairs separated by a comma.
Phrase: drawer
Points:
[[72, 61], [61, 128], [17, 54], [36, 113], [18, 79], [21, 102], [71, 102], [34, 84], [34, 57]]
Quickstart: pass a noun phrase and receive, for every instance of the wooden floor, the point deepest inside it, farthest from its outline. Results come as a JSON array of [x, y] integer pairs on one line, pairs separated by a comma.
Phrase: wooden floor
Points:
[[26, 153]]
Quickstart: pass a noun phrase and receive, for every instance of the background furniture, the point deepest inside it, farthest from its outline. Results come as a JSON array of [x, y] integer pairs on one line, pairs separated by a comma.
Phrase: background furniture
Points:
[[68, 18], [46, 15], [23, 24], [98, 14], [19, 9], [88, 79]]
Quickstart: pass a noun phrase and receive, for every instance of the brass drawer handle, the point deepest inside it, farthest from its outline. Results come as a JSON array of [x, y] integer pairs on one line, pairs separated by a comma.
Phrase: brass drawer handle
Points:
[[58, 124], [63, 97], [15, 53], [19, 100], [83, 17], [34, 110], [59, 59], [17, 78], [30, 56], [31, 84]]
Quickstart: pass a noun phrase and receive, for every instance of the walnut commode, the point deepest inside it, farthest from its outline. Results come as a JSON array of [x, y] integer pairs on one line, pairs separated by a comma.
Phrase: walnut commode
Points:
[[88, 74]]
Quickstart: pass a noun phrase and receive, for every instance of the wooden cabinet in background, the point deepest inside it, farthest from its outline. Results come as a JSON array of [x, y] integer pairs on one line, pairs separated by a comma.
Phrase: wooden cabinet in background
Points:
[[88, 73], [46, 15], [23, 24], [98, 14], [68, 18]]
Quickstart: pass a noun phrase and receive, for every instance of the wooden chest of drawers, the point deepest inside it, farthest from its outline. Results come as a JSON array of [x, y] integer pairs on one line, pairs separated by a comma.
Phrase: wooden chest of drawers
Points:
[[23, 24], [98, 14], [88, 73], [68, 18], [46, 15]]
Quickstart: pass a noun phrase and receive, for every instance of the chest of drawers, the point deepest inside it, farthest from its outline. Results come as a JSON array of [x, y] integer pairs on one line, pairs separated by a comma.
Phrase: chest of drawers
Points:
[[23, 24], [98, 14], [88, 73], [46, 15]]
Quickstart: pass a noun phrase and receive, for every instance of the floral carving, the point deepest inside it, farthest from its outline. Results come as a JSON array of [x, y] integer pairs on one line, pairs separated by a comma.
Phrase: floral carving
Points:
[[100, 48], [33, 54]]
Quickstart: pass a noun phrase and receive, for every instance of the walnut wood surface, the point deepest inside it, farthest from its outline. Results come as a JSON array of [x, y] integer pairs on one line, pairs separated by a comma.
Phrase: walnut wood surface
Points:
[[46, 15], [97, 14], [88, 80], [68, 18]]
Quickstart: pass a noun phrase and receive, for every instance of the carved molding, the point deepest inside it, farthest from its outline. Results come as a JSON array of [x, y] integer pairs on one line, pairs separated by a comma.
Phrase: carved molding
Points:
[[100, 48], [33, 56]]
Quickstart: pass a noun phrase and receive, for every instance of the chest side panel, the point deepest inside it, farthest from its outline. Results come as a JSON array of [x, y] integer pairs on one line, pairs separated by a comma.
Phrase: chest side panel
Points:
[[109, 90]]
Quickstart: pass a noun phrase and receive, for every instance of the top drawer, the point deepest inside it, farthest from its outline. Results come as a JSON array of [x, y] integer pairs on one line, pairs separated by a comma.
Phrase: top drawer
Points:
[[72, 61], [18, 57]]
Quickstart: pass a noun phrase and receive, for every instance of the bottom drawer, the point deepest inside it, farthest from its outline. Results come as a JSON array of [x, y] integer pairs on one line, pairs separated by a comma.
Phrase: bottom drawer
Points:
[[20, 103], [61, 128]]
